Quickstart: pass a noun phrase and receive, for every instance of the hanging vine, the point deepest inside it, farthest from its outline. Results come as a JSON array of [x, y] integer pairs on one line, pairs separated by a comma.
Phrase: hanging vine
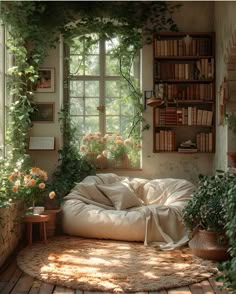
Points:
[[34, 28]]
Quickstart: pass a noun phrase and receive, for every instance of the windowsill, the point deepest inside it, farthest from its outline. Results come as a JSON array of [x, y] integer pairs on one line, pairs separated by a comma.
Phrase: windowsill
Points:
[[119, 169]]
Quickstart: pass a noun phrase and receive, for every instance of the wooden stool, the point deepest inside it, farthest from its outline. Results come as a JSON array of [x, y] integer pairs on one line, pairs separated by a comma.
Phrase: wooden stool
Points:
[[41, 219]]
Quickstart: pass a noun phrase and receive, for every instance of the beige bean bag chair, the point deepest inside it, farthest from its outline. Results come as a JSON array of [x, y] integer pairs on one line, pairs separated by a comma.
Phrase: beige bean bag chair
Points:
[[108, 206]]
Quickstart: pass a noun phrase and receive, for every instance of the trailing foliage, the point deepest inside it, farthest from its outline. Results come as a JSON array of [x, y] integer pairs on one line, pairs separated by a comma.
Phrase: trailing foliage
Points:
[[34, 28], [72, 167], [228, 268]]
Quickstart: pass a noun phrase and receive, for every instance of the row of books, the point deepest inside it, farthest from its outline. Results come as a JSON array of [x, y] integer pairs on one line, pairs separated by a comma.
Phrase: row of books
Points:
[[185, 92], [178, 47], [205, 142], [166, 141], [194, 70], [190, 116]]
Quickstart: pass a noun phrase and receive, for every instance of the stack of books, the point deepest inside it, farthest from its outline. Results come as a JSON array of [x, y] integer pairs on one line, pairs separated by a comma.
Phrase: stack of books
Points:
[[187, 147]]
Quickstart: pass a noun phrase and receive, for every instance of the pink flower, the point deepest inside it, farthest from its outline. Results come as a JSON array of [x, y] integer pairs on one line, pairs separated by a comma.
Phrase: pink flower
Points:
[[112, 148], [127, 142], [99, 156], [42, 186], [52, 195], [104, 153], [83, 148], [119, 142]]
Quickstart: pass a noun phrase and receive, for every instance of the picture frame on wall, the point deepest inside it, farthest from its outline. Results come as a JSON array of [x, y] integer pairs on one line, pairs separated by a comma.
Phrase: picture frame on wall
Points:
[[44, 112], [46, 80]]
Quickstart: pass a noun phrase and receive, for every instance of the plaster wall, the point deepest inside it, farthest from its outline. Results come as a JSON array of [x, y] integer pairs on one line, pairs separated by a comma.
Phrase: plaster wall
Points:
[[192, 17], [225, 25]]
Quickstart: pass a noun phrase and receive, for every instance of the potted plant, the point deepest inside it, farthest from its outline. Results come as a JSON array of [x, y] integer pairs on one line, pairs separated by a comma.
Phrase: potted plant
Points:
[[29, 184], [205, 217]]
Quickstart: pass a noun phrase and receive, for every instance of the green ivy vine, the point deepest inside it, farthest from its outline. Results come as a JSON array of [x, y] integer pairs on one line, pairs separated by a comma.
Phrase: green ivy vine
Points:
[[34, 28]]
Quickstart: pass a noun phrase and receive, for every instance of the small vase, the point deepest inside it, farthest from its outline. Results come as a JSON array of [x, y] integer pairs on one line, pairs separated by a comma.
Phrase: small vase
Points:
[[122, 162], [205, 244]]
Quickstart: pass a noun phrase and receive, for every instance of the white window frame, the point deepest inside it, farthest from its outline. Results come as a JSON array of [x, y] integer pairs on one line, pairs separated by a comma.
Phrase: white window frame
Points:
[[102, 78]]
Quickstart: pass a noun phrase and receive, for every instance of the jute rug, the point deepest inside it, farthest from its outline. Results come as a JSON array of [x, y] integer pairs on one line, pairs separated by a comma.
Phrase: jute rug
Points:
[[112, 266]]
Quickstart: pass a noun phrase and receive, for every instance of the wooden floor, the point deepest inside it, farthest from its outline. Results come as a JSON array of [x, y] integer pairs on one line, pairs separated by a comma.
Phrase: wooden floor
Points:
[[14, 281]]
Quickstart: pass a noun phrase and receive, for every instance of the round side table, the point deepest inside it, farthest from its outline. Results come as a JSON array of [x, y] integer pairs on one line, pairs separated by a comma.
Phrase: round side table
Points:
[[41, 219]]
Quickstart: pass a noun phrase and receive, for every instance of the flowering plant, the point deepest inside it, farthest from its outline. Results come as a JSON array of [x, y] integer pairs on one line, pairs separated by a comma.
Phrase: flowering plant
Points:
[[31, 184], [111, 147], [92, 143]]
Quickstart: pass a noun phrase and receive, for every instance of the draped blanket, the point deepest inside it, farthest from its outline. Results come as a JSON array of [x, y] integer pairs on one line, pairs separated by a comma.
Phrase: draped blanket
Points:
[[108, 206]]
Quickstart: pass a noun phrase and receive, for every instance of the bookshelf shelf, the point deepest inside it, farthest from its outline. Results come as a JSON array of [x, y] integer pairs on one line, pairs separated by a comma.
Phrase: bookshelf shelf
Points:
[[184, 81], [184, 77]]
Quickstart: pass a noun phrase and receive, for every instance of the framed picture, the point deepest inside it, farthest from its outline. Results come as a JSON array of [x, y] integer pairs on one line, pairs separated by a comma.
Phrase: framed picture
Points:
[[44, 112], [42, 143], [46, 81]]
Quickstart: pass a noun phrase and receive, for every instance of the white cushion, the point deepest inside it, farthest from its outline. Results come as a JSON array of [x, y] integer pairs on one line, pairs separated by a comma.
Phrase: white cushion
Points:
[[91, 192], [120, 195]]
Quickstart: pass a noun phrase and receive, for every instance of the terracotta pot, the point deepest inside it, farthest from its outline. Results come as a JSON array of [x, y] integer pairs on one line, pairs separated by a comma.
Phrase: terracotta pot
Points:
[[232, 157], [204, 244]]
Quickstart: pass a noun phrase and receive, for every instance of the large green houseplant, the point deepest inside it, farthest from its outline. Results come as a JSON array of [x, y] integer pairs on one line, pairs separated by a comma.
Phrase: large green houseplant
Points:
[[206, 213]]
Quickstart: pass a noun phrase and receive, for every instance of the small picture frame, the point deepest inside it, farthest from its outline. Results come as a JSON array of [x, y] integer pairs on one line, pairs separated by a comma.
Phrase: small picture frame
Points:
[[46, 80], [42, 143], [44, 112]]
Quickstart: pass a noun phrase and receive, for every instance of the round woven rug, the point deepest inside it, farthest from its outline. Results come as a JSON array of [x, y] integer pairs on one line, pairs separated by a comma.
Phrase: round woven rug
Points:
[[112, 266]]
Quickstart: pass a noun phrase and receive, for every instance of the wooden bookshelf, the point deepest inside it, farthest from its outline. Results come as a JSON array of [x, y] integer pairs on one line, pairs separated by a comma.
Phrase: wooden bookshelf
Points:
[[184, 77]]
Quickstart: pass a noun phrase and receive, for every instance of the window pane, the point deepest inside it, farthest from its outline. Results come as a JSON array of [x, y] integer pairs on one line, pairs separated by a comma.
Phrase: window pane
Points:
[[76, 106], [76, 65], [92, 65], [112, 89], [112, 124], [91, 88], [91, 105], [112, 66], [76, 88], [112, 106], [126, 124], [111, 44], [127, 109], [91, 124], [78, 123]]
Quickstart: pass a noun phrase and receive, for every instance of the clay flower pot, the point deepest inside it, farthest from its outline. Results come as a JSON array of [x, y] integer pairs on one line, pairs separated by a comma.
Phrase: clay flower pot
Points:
[[205, 244]]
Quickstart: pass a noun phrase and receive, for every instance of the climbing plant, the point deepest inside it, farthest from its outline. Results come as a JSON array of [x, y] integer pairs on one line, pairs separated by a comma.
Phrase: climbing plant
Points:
[[35, 26]]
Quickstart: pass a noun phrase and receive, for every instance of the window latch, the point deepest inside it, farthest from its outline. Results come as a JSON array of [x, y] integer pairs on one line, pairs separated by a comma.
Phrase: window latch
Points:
[[101, 108]]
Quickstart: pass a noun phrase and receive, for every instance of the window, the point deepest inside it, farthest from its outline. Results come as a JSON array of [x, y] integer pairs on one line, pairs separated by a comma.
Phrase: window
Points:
[[98, 96]]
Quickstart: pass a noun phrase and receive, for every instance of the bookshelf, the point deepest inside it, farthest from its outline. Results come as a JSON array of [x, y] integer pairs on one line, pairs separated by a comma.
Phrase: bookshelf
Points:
[[184, 78]]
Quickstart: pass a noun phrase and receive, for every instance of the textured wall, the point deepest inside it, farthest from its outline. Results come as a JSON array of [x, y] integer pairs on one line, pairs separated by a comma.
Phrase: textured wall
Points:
[[225, 24], [11, 229]]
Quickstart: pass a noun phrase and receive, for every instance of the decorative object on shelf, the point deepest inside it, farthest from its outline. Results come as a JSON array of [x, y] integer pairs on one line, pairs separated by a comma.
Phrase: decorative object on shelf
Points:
[[184, 80], [206, 211], [43, 112], [31, 185], [46, 80]]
